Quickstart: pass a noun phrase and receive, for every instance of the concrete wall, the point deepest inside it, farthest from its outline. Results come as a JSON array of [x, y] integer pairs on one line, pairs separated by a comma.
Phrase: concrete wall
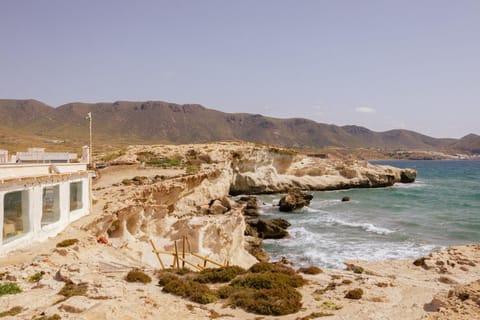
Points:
[[33, 203], [13, 171]]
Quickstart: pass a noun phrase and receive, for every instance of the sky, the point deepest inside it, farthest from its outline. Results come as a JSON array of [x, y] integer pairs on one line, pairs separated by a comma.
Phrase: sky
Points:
[[412, 64]]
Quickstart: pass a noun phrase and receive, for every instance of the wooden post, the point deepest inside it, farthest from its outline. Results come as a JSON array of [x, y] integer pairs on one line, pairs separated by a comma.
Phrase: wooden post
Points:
[[183, 251], [176, 256], [157, 254]]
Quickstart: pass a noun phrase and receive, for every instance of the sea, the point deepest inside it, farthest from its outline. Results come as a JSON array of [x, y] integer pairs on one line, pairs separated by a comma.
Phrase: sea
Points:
[[441, 208]]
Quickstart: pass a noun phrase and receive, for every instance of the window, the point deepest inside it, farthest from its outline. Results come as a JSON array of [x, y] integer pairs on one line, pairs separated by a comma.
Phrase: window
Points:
[[51, 205], [15, 210], [76, 195]]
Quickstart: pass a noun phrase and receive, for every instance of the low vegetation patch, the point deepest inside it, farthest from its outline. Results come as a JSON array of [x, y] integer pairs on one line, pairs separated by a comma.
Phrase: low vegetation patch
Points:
[[268, 289], [219, 275], [138, 276], [187, 288], [53, 317], [263, 267], [327, 305], [330, 286], [9, 288], [127, 182], [355, 294], [12, 312], [358, 269], [114, 155], [36, 277], [71, 289], [310, 270], [67, 243]]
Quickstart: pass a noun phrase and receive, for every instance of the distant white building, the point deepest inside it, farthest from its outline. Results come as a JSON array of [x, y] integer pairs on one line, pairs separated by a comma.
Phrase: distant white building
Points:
[[38, 200], [38, 155]]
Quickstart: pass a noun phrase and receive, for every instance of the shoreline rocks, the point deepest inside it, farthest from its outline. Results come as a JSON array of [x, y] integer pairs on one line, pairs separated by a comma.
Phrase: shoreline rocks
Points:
[[295, 199], [267, 229]]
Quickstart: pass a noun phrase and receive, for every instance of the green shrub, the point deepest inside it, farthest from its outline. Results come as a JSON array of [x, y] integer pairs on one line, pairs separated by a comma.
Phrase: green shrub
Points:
[[9, 288], [268, 280], [262, 267], [36, 277], [310, 270], [127, 182], [12, 312], [358, 269], [54, 317], [138, 276], [194, 291], [165, 277], [277, 301], [225, 292], [67, 243], [166, 162], [113, 155], [71, 289], [354, 294], [219, 275]]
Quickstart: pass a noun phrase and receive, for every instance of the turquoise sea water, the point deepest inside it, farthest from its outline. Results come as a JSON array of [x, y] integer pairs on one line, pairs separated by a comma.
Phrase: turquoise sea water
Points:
[[441, 208]]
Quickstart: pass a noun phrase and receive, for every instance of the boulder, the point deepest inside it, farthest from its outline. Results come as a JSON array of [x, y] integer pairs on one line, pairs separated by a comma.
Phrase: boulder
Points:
[[251, 206], [295, 199], [345, 199], [217, 208], [269, 229], [408, 175]]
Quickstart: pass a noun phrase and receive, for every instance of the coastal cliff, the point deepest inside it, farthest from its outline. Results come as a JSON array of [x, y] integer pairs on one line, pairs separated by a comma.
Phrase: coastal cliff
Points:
[[194, 202]]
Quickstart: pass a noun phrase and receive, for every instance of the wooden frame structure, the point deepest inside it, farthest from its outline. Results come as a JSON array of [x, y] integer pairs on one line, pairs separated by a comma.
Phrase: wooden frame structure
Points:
[[182, 256]]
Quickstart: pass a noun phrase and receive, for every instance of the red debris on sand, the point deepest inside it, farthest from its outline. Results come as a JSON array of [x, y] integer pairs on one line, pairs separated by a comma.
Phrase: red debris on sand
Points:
[[102, 239]]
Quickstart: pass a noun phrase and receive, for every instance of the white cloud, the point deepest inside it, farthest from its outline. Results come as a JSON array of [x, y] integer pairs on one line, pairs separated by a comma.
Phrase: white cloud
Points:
[[365, 110]]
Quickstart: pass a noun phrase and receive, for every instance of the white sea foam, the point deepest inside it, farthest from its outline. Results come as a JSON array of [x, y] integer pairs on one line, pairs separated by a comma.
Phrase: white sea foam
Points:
[[307, 248], [416, 184], [369, 227]]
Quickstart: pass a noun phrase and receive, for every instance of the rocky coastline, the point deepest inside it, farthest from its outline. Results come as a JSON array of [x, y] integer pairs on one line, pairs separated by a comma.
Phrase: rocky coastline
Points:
[[172, 192]]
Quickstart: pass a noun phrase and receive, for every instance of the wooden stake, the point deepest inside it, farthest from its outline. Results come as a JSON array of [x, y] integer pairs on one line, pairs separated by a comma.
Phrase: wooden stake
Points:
[[156, 253], [176, 256], [183, 251]]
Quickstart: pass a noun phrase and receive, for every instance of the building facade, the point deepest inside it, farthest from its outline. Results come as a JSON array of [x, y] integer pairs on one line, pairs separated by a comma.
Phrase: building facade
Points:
[[39, 200]]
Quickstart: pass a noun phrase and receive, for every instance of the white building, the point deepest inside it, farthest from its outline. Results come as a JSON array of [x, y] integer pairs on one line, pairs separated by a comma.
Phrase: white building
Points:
[[35, 155], [39, 200]]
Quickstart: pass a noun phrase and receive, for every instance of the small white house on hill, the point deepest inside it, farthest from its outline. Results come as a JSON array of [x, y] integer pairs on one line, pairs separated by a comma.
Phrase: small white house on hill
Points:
[[38, 200]]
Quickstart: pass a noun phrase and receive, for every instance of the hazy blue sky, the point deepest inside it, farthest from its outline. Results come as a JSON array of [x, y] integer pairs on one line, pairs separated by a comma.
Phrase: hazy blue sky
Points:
[[380, 64]]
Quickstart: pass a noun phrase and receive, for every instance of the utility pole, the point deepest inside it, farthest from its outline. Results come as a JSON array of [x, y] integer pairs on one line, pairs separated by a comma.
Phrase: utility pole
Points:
[[90, 153]]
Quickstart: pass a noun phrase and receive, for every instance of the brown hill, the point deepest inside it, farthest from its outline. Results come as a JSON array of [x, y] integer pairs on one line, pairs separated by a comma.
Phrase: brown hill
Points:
[[125, 122], [469, 143]]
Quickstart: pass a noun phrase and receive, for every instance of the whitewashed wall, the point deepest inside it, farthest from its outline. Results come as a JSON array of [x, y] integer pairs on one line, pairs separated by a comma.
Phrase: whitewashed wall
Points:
[[35, 210]]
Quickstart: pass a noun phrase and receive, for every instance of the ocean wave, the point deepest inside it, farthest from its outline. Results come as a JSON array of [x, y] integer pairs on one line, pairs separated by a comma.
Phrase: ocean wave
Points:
[[369, 227], [416, 184], [330, 253]]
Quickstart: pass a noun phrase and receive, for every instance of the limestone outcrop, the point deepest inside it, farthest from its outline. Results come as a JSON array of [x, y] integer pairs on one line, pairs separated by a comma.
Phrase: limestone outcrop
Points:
[[268, 229], [193, 200], [295, 199], [269, 170]]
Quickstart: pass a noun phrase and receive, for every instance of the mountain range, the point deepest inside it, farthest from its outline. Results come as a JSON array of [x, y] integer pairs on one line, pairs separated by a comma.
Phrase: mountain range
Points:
[[31, 122]]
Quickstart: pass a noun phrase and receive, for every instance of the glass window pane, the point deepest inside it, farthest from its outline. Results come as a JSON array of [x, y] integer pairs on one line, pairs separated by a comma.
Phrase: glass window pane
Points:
[[15, 210], [76, 195], [51, 205]]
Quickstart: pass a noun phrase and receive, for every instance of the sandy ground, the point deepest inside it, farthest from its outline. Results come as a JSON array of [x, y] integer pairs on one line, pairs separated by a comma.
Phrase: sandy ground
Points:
[[392, 289]]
